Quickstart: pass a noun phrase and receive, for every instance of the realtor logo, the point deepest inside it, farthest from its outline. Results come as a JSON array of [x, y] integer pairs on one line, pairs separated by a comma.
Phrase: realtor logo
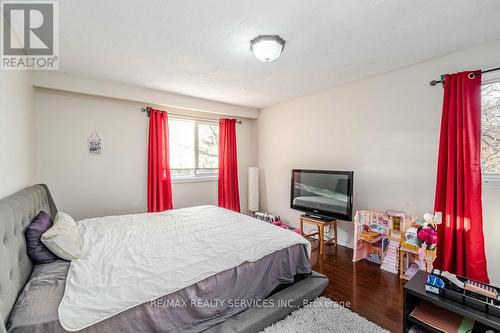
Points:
[[30, 35]]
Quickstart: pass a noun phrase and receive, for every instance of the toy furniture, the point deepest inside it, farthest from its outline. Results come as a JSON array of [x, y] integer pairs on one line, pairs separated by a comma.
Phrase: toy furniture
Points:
[[410, 241], [397, 223], [413, 257], [376, 250], [320, 224], [412, 261], [391, 260], [370, 228]]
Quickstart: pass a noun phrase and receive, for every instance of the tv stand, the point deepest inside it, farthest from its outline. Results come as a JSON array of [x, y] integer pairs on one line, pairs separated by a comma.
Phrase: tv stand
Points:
[[320, 223]]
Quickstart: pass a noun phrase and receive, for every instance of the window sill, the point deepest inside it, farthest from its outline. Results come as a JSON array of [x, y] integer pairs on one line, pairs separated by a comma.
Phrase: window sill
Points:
[[194, 179], [491, 180]]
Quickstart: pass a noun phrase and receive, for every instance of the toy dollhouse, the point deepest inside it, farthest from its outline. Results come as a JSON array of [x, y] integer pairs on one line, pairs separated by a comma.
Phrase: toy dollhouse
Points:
[[390, 240], [370, 235]]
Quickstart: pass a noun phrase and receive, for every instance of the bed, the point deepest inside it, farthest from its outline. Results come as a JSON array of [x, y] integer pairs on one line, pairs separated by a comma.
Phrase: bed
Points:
[[280, 278]]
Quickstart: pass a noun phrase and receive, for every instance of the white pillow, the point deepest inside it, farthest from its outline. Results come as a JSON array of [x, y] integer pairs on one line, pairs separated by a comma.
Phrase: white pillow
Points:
[[63, 239]]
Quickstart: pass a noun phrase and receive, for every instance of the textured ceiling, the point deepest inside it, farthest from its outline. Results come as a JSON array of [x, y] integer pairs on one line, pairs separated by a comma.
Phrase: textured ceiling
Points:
[[201, 47]]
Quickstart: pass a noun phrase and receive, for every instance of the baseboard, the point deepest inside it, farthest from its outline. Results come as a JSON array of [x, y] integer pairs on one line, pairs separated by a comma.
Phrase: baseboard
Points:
[[340, 242], [346, 244]]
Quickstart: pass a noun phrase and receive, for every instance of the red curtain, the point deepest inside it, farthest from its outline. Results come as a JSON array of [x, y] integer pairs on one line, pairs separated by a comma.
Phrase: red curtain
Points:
[[159, 185], [458, 187], [228, 166]]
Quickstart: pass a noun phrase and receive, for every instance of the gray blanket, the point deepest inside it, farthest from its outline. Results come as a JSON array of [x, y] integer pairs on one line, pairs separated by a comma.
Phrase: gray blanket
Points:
[[193, 309]]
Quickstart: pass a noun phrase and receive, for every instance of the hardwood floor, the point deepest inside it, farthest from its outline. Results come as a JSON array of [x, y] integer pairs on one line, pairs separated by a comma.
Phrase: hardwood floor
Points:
[[374, 293]]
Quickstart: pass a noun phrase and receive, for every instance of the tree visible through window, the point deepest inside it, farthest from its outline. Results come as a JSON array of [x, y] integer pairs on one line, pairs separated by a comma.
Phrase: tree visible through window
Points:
[[490, 127], [194, 148]]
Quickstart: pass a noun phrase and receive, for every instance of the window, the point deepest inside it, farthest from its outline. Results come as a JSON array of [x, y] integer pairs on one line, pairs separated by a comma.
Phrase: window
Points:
[[490, 132], [194, 148]]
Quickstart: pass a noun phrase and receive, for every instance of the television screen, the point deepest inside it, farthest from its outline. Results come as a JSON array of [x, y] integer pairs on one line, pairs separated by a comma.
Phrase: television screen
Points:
[[322, 193]]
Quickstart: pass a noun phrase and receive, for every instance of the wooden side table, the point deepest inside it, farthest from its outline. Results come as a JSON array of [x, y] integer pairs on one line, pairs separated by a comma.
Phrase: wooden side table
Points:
[[320, 224]]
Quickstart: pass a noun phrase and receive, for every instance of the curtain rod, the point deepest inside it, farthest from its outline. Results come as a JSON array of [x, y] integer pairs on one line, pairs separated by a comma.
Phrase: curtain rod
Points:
[[148, 109], [435, 82]]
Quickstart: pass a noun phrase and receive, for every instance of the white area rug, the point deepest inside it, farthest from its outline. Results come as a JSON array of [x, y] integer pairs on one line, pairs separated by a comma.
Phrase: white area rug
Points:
[[323, 315]]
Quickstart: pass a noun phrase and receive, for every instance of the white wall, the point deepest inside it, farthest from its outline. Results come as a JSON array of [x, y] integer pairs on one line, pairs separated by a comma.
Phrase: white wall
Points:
[[491, 216], [71, 83], [385, 129], [115, 181], [16, 131]]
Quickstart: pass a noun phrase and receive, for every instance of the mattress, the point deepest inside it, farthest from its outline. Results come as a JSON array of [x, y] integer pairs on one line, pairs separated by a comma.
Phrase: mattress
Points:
[[192, 309], [128, 260]]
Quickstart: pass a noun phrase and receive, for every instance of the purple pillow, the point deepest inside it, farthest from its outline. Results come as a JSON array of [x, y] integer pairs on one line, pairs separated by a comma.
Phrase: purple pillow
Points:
[[37, 251]]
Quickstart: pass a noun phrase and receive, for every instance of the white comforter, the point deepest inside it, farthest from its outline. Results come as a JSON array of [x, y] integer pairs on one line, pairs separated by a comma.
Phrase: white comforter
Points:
[[132, 259]]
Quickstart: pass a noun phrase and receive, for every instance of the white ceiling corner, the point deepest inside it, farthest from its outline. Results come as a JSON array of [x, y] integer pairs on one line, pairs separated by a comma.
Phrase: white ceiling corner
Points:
[[201, 48]]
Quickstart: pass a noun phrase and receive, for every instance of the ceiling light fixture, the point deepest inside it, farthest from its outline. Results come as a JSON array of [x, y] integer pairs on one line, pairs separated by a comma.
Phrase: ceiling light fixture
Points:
[[267, 47]]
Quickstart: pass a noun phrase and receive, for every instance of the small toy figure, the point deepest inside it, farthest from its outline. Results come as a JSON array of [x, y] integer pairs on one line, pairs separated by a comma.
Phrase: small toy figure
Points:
[[428, 236], [371, 233], [427, 233]]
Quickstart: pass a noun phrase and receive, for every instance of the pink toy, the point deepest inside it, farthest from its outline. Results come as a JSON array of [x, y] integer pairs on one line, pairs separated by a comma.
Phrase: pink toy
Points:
[[280, 224], [428, 235], [427, 232]]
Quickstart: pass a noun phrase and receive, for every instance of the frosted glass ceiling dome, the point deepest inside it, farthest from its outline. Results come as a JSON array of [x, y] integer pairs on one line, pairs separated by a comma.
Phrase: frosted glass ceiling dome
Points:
[[267, 47]]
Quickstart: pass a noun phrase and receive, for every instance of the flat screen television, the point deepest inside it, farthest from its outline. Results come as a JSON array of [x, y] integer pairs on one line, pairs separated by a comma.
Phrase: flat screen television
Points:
[[322, 193]]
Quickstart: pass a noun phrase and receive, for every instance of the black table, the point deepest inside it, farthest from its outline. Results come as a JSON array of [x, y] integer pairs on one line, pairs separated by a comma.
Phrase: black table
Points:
[[414, 292]]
